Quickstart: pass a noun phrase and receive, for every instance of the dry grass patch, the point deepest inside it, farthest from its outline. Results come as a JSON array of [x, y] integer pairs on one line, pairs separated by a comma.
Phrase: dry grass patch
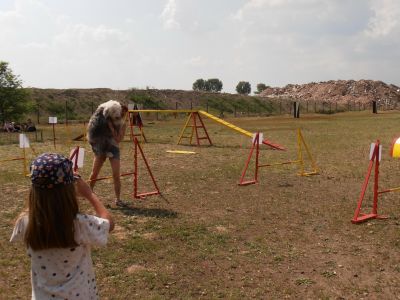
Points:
[[286, 237]]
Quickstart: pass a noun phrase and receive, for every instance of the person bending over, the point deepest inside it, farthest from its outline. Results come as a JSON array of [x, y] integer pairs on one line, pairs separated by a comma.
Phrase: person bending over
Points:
[[106, 129]]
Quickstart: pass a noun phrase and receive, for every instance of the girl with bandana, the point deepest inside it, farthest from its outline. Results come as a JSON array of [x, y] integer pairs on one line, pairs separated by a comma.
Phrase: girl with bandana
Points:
[[57, 236]]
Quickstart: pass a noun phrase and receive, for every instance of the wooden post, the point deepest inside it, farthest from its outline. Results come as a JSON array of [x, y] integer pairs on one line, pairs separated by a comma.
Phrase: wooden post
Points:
[[54, 136], [38, 113], [374, 107], [66, 112]]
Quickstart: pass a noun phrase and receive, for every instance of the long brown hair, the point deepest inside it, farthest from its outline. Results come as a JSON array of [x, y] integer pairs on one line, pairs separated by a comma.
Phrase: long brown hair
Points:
[[51, 214]]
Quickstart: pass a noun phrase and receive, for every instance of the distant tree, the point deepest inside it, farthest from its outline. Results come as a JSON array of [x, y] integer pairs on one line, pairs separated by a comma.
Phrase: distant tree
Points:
[[210, 85], [199, 85], [243, 87], [214, 85], [260, 88], [13, 98]]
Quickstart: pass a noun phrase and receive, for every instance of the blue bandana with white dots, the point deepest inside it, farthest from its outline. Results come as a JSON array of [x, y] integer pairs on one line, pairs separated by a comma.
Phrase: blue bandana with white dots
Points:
[[50, 169]]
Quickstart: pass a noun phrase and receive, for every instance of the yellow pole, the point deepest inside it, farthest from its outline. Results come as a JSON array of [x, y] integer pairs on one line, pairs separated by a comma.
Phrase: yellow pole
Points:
[[299, 152], [183, 129], [25, 171], [313, 164]]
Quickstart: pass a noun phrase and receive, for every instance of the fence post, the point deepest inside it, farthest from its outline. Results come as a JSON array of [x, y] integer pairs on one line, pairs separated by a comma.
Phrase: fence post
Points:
[[66, 112], [374, 107], [296, 109]]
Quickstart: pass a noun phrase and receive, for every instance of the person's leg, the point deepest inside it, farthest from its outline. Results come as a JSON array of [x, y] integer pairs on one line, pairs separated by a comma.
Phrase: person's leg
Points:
[[116, 167], [98, 162]]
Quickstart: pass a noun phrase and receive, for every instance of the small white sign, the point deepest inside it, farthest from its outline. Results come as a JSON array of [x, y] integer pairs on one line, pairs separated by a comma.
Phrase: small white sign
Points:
[[260, 137], [371, 151], [52, 120], [81, 157], [23, 141]]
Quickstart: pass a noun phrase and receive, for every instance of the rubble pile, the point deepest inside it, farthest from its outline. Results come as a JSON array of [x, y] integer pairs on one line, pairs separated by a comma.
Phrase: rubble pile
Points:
[[340, 91]]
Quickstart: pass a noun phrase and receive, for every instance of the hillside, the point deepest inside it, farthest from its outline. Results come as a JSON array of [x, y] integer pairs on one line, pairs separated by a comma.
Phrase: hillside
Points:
[[81, 102], [346, 94], [340, 91]]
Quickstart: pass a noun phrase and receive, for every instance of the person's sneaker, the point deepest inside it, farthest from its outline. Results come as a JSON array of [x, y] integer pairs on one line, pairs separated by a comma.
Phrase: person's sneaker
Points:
[[121, 203]]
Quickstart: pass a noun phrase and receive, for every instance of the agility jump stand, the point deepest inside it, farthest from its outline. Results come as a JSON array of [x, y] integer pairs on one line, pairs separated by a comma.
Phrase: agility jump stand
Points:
[[300, 159], [136, 120], [375, 157], [23, 144], [256, 146], [23, 158], [196, 123], [136, 173]]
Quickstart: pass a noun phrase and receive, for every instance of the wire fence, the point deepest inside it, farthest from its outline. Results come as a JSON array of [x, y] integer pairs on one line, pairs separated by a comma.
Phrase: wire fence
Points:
[[81, 114], [70, 113]]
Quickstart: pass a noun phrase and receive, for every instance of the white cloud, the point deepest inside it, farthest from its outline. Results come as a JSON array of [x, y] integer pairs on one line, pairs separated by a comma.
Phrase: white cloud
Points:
[[168, 15], [54, 44], [386, 18], [197, 61]]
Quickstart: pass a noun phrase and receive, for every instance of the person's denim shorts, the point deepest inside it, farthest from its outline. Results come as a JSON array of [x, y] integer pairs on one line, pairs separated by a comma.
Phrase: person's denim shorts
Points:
[[112, 152]]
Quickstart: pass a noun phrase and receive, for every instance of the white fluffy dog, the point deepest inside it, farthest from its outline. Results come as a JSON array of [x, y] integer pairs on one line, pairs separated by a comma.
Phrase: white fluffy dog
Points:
[[100, 135]]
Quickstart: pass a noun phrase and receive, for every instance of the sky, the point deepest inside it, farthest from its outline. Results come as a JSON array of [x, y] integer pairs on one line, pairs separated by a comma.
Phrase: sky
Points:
[[168, 44]]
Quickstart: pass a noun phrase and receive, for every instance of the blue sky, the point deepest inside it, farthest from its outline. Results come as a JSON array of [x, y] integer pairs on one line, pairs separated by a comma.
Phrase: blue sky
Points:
[[168, 44]]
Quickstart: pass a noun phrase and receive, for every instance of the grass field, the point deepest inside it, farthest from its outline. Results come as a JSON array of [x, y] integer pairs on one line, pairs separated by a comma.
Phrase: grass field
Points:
[[288, 237]]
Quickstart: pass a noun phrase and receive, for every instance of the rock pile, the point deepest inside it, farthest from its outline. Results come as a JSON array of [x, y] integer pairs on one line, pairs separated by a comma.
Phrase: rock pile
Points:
[[340, 91]]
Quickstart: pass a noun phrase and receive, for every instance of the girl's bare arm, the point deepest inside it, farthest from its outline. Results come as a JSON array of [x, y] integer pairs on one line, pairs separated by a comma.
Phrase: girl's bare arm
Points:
[[84, 190]]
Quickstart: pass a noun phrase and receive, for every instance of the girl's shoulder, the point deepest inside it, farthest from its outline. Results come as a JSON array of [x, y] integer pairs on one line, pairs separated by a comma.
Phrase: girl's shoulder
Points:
[[91, 230]]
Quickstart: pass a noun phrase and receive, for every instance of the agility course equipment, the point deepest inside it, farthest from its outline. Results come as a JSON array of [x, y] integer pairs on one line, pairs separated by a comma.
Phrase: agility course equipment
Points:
[[375, 157], [240, 130], [23, 144], [257, 139], [395, 148], [374, 160], [197, 123], [180, 152], [210, 116], [135, 174], [135, 120]]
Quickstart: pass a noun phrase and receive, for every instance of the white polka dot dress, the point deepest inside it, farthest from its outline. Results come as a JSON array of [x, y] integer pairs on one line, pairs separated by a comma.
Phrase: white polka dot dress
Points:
[[66, 273]]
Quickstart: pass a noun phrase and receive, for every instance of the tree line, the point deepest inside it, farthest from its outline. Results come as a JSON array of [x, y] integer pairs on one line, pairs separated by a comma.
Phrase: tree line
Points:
[[215, 85]]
